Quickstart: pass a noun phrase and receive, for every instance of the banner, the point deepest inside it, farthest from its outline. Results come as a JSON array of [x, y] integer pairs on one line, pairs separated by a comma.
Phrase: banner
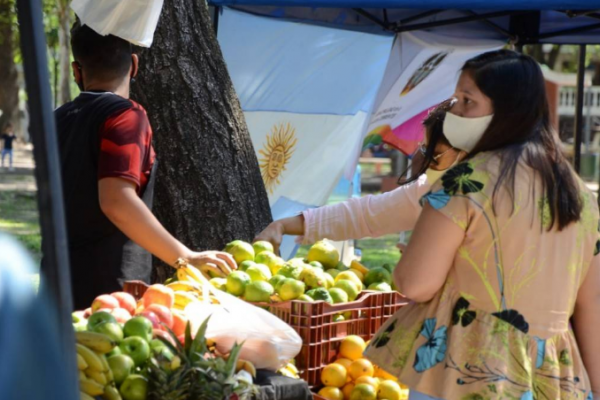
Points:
[[422, 72], [307, 93]]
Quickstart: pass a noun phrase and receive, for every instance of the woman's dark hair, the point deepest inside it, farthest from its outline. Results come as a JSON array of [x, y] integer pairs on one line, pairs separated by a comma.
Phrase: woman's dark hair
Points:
[[521, 129], [434, 131]]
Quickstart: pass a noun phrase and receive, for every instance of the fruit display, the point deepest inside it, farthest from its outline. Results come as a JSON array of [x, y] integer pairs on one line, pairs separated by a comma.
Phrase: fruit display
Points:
[[352, 377], [137, 350]]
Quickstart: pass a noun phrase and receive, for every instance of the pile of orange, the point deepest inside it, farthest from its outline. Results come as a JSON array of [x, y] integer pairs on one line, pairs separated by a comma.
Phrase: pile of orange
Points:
[[352, 377]]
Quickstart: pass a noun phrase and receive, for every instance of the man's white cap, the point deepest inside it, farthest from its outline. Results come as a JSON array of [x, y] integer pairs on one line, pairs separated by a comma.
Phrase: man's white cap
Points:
[[132, 20]]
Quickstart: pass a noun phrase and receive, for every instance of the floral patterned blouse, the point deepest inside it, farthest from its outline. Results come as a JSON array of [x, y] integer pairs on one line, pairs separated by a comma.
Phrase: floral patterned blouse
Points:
[[499, 328]]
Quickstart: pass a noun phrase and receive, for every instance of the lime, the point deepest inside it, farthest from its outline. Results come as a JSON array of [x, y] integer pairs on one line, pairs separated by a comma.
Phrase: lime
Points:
[[332, 272], [245, 265], [316, 264], [314, 277], [290, 270], [338, 318], [341, 267], [380, 287], [262, 245], [389, 268], [241, 251], [219, 283], [325, 253], [277, 280], [349, 276], [329, 281], [305, 297], [320, 294], [376, 275], [269, 259], [338, 295], [236, 282], [259, 292], [259, 272], [291, 289], [349, 287]]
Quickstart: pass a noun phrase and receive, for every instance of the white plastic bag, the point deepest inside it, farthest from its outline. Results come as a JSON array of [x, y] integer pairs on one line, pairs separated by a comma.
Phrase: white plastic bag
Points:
[[269, 343], [132, 20]]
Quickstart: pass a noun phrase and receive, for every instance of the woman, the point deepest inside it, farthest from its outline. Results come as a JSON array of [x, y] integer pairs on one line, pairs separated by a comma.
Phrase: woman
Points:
[[373, 216], [503, 255]]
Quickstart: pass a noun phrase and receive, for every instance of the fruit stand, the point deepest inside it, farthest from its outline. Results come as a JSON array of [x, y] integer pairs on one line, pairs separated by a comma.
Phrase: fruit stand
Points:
[[142, 342]]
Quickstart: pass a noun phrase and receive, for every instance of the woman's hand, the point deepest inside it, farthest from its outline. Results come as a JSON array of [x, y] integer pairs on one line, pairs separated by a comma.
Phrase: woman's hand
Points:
[[223, 261], [272, 234]]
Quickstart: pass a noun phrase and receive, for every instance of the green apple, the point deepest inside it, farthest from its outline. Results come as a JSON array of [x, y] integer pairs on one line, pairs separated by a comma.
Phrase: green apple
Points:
[[135, 387], [113, 352], [111, 329], [136, 348], [98, 318], [121, 366], [140, 327], [160, 349]]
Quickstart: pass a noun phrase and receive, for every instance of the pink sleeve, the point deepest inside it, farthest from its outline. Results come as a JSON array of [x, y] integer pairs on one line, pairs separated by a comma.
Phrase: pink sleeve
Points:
[[369, 216]]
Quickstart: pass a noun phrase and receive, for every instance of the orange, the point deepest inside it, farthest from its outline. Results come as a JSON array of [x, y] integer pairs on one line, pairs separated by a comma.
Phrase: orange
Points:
[[352, 347], [334, 375], [389, 390], [369, 381], [331, 393], [363, 392], [347, 389], [343, 361], [361, 367], [381, 373]]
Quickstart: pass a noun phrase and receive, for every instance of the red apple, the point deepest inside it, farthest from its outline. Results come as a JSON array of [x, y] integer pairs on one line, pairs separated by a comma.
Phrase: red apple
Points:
[[181, 339], [121, 314], [159, 294], [87, 312], [125, 300], [158, 333], [163, 313], [152, 318], [104, 301], [179, 322]]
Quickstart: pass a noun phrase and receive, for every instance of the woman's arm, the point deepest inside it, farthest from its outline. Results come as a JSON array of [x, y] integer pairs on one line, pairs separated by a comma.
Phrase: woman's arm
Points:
[[424, 265], [368, 216], [586, 322]]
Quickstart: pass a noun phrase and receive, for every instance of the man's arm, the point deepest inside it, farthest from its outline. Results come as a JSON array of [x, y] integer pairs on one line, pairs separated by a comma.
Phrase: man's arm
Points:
[[121, 204]]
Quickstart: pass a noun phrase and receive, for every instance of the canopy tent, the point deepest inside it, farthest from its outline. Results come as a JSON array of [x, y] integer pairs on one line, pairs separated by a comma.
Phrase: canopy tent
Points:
[[579, 26]]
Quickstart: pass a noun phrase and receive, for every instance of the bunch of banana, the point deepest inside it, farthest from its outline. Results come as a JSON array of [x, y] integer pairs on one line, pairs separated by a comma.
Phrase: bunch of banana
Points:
[[290, 371], [188, 273], [182, 299], [246, 366], [359, 267], [95, 375]]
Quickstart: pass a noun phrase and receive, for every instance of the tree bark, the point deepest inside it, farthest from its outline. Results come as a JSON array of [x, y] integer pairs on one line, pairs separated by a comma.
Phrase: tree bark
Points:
[[209, 190], [64, 55], [9, 86]]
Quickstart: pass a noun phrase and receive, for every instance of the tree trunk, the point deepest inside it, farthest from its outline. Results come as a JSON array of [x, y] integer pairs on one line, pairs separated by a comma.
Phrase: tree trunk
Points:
[[9, 86], [64, 56], [209, 190]]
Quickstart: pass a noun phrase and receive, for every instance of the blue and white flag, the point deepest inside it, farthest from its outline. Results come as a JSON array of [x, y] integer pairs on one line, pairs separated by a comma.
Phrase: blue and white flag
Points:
[[307, 93]]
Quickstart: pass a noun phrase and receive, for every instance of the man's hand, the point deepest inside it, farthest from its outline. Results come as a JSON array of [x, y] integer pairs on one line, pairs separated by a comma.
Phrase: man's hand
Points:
[[272, 234], [223, 261]]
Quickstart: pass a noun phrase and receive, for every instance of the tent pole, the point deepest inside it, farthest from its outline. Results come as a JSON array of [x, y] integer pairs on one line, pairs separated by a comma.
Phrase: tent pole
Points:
[[55, 274], [579, 106], [216, 11]]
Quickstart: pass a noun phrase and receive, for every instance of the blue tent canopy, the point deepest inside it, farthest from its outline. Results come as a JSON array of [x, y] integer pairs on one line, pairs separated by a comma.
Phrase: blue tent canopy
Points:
[[522, 22]]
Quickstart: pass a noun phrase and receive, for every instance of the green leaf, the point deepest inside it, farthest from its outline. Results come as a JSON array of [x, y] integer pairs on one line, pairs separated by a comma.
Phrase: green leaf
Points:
[[232, 360], [199, 343], [188, 338]]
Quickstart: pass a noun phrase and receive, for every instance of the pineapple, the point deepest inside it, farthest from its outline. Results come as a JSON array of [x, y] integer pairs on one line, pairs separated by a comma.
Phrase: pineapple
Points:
[[197, 377]]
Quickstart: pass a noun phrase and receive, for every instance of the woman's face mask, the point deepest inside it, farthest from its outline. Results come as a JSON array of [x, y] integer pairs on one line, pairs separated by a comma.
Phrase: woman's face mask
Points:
[[465, 133]]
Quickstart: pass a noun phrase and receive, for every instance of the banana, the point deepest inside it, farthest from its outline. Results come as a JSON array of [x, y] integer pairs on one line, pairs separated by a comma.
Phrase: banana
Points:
[[104, 362], [97, 376], [92, 359], [246, 366], [193, 274], [84, 396], [111, 393], [184, 286], [82, 375], [292, 368], [358, 266], [81, 364], [182, 299], [91, 388], [213, 270], [109, 376], [96, 341]]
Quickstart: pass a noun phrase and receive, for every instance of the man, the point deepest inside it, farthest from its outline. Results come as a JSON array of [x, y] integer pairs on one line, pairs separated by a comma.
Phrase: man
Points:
[[108, 169], [7, 149]]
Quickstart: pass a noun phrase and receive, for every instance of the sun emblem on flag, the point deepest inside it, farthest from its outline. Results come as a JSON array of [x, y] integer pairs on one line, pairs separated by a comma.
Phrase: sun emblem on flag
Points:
[[276, 154]]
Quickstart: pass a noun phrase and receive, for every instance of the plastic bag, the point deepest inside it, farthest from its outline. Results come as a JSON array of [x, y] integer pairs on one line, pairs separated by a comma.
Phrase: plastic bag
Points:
[[269, 343], [132, 20]]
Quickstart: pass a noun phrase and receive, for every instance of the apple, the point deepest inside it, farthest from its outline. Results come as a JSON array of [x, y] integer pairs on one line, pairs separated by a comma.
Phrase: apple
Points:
[[159, 348], [111, 329], [78, 316], [181, 339], [125, 300], [159, 294], [135, 387], [121, 314], [104, 301], [152, 317], [121, 366], [160, 334], [113, 352], [136, 348], [87, 312], [179, 322], [140, 327], [98, 318], [163, 314]]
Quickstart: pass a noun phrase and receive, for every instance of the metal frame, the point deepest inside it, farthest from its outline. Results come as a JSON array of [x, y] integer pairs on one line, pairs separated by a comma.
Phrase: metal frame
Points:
[[56, 272], [579, 102]]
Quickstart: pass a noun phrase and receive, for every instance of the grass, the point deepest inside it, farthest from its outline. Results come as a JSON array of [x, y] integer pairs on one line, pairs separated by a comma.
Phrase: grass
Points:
[[19, 218]]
